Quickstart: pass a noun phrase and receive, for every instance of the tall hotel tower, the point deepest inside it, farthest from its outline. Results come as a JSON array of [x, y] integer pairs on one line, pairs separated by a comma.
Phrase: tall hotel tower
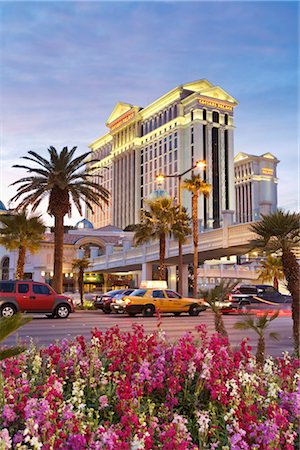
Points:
[[192, 122]]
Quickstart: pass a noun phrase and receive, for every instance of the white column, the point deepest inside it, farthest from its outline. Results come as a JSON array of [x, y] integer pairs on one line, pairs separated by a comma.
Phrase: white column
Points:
[[172, 278], [137, 188], [210, 215], [231, 170], [222, 193], [146, 271]]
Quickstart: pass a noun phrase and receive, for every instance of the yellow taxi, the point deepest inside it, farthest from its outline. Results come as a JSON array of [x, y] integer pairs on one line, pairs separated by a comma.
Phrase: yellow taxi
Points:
[[148, 301]]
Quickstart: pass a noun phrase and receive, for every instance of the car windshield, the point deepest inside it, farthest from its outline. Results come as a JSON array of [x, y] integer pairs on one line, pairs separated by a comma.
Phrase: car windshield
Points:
[[112, 293], [139, 293]]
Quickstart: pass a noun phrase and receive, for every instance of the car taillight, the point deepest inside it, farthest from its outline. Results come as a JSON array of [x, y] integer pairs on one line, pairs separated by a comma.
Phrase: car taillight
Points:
[[230, 297]]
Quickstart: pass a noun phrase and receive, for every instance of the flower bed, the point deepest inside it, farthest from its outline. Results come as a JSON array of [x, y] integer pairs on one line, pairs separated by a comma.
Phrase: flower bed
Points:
[[136, 391]]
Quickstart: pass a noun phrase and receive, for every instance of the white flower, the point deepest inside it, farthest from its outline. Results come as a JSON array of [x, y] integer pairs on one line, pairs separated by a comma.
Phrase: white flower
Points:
[[268, 366], [137, 444], [203, 421], [232, 387], [191, 370]]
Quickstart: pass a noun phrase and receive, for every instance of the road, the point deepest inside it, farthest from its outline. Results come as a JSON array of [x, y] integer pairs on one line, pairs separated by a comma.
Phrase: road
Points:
[[43, 331]]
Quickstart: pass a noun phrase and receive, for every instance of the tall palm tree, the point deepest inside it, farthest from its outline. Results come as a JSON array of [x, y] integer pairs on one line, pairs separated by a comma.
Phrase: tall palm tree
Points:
[[271, 269], [215, 298], [63, 179], [22, 233], [160, 220], [259, 325], [80, 265], [197, 187], [279, 232]]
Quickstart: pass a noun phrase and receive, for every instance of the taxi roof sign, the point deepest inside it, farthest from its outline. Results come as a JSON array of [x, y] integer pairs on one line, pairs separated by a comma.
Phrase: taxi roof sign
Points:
[[153, 284]]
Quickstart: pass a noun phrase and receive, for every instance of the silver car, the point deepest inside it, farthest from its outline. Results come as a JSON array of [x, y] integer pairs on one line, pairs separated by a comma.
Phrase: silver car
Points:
[[117, 303]]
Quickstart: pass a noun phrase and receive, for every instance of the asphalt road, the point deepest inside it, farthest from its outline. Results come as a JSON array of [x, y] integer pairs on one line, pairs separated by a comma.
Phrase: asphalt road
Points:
[[44, 331]]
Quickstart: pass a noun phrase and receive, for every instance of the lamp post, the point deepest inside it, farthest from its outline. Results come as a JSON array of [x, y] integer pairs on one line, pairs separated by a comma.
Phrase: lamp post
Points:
[[201, 164]]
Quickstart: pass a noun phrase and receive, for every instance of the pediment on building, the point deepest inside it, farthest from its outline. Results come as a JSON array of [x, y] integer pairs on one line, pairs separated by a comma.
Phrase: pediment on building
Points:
[[118, 111], [217, 92], [198, 86], [268, 155], [240, 156]]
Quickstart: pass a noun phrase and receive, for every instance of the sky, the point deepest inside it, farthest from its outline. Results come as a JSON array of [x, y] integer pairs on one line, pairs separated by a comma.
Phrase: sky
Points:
[[64, 66]]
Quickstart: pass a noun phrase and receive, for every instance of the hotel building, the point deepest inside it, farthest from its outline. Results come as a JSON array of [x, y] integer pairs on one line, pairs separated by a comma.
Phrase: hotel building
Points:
[[255, 181], [191, 122]]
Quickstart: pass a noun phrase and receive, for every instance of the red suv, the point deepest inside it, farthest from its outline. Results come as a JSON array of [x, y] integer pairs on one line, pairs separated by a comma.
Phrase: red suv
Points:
[[34, 297]]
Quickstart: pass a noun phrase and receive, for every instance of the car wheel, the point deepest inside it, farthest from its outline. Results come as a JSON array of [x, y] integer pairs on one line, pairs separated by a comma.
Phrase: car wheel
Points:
[[148, 310], [62, 311], [8, 310], [177, 314], [194, 310]]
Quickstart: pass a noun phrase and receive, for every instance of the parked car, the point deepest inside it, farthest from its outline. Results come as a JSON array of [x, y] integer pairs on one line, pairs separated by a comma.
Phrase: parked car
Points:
[[257, 297], [103, 301], [117, 304], [29, 296], [148, 301]]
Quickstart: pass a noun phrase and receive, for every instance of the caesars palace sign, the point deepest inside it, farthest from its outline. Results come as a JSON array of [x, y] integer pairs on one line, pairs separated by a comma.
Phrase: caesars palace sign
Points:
[[215, 104]]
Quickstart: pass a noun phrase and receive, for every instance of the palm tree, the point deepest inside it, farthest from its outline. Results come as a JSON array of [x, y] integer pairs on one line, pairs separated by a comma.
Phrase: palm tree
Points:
[[161, 220], [215, 298], [9, 325], [63, 179], [272, 268], [80, 265], [279, 232], [259, 325], [22, 233], [196, 186]]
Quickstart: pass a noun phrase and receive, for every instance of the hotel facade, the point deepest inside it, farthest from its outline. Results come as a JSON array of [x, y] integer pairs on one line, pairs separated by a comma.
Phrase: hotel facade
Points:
[[191, 122], [255, 186]]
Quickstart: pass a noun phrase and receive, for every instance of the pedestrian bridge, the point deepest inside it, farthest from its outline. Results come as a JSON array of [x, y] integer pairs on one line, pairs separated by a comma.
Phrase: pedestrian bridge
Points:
[[213, 244]]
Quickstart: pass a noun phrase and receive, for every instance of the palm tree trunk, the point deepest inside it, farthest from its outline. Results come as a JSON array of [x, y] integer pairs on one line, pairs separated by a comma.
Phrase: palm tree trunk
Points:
[[291, 272], [80, 285], [195, 239], [219, 323], [20, 263], [162, 253], [58, 253], [275, 283], [260, 352]]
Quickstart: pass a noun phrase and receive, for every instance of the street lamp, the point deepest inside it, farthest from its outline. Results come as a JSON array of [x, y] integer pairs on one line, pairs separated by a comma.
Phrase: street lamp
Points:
[[200, 164]]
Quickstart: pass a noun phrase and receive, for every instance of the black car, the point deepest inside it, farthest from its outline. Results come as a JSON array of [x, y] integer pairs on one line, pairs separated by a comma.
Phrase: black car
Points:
[[103, 301], [259, 297]]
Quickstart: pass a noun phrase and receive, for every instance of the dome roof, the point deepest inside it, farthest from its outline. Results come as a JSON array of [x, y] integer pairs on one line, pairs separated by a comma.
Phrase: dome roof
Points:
[[2, 207], [84, 224], [158, 193]]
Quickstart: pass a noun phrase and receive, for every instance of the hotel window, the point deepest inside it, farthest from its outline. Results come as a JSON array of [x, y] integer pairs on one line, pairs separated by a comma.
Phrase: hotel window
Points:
[[215, 117], [192, 135], [165, 117], [155, 123], [170, 113], [204, 114], [146, 128], [226, 119], [192, 115], [150, 129], [175, 155], [160, 120]]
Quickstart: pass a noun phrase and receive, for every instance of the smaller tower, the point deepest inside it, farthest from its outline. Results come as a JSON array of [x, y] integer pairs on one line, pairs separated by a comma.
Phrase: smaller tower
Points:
[[255, 180]]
